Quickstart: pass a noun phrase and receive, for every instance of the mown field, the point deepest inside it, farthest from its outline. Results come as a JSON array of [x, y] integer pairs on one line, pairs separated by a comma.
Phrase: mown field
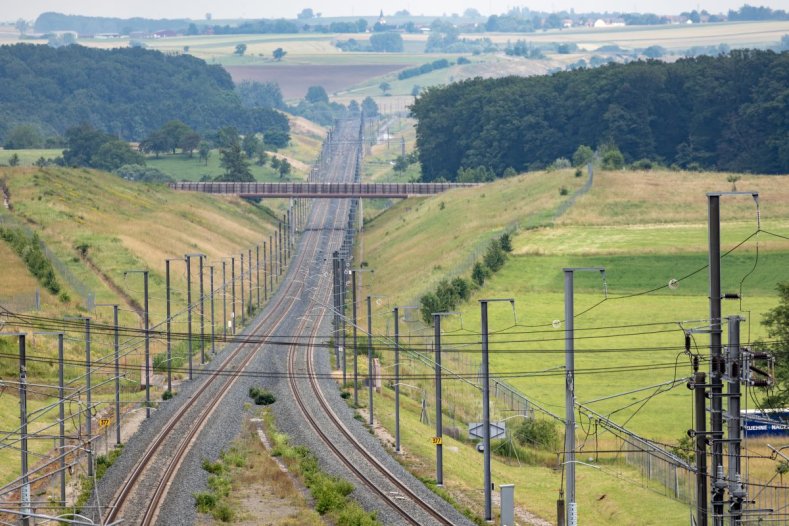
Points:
[[645, 228]]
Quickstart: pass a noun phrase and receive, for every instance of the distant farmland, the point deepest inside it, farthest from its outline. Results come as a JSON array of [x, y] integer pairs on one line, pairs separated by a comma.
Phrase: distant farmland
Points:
[[294, 80]]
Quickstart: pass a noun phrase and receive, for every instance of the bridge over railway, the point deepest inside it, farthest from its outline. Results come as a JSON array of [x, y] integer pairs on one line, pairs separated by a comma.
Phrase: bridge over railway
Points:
[[321, 190]]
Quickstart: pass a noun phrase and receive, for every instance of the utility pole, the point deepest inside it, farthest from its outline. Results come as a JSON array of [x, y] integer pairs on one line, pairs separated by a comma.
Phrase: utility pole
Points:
[[716, 359], [355, 348], [211, 284], [289, 237], [25, 492], [336, 302], [202, 312], [486, 414], [488, 487], [241, 279], [233, 296], [569, 400], [146, 325], [224, 300], [271, 263], [342, 321], [88, 413], [700, 440], [257, 272], [265, 281], [279, 246], [370, 380], [169, 323], [188, 258], [62, 420], [396, 312], [716, 365], [249, 271], [439, 412], [737, 493]]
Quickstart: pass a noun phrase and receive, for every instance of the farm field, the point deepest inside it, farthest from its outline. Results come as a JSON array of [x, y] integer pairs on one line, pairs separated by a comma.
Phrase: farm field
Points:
[[672, 37], [294, 80], [312, 59]]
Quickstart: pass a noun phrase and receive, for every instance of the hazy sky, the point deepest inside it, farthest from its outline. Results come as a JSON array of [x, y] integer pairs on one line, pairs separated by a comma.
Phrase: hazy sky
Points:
[[30, 9]]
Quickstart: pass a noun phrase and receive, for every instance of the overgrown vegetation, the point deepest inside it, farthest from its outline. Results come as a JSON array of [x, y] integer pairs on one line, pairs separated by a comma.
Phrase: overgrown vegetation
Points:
[[29, 249], [424, 68], [537, 433], [451, 293], [262, 396], [330, 493], [216, 500], [103, 463]]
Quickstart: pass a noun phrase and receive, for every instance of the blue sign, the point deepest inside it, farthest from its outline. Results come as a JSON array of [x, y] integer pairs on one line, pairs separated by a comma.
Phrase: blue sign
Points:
[[772, 422]]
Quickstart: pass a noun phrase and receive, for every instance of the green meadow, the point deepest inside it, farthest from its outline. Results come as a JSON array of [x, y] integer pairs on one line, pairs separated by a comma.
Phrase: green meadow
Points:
[[645, 228]]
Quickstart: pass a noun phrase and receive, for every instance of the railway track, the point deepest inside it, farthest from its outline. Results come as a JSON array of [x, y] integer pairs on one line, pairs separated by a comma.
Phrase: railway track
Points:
[[154, 472], [362, 461], [143, 491]]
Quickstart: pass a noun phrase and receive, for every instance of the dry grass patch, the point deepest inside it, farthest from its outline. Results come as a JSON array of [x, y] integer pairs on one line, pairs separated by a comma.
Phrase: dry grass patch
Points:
[[622, 198]]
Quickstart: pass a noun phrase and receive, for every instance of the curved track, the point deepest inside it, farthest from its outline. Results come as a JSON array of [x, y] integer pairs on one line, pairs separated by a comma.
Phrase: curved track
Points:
[[144, 489]]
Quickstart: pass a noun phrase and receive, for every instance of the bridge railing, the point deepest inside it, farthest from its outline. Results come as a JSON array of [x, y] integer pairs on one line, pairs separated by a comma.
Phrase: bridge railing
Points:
[[356, 189]]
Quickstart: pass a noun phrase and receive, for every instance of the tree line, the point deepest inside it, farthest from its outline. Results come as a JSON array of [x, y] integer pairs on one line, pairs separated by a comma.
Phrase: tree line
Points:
[[729, 112], [126, 92]]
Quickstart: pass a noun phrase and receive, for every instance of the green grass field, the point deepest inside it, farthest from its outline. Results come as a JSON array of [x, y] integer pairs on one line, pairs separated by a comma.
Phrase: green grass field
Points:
[[645, 229]]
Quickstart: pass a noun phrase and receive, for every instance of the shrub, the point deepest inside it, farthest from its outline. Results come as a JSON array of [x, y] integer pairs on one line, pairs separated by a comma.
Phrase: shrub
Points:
[[29, 249], [505, 241], [583, 155], [613, 159], [563, 191], [222, 513], [479, 273], [541, 434], [205, 502], [262, 396], [212, 467], [494, 257], [643, 164], [685, 449]]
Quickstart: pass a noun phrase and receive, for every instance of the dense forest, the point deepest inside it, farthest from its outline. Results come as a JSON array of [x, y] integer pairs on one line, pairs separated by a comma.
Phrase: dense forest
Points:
[[92, 25], [127, 92], [729, 112]]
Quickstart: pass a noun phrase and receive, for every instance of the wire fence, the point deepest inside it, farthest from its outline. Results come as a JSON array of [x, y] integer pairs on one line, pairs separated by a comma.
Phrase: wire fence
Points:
[[22, 302], [85, 292], [567, 204]]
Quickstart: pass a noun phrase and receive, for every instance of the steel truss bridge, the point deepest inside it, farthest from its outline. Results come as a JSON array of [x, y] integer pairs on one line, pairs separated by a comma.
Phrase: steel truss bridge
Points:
[[321, 190]]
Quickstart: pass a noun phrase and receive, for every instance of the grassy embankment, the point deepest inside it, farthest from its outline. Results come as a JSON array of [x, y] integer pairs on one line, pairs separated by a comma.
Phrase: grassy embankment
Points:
[[646, 228], [100, 227]]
